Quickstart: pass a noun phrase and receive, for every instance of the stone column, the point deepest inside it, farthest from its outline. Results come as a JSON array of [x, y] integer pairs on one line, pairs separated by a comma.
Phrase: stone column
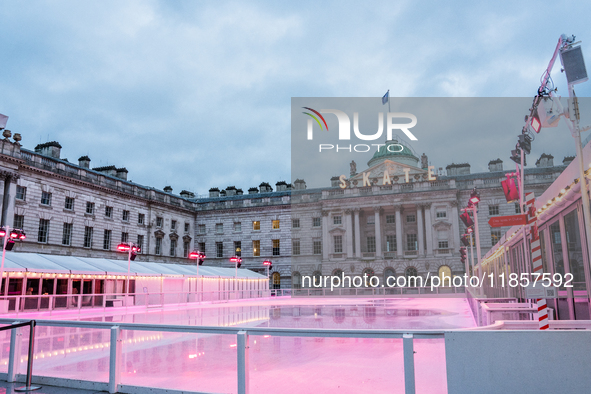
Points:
[[377, 211], [325, 243], [357, 233], [429, 229], [420, 238], [349, 234], [8, 201], [399, 251], [456, 225]]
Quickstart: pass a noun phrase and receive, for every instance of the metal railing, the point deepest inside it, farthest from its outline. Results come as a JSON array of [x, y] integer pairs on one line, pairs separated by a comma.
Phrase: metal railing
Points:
[[12, 352], [242, 336], [37, 303]]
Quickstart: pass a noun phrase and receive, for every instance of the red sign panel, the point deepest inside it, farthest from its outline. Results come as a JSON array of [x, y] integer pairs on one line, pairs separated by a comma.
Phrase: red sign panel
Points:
[[505, 221]]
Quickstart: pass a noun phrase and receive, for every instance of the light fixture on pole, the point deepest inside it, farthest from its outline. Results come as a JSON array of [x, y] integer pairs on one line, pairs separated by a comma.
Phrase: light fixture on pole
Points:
[[9, 237], [132, 251], [269, 265], [238, 261], [197, 255]]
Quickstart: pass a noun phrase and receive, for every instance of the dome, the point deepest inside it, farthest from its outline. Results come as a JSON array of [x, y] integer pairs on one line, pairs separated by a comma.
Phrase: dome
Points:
[[395, 151]]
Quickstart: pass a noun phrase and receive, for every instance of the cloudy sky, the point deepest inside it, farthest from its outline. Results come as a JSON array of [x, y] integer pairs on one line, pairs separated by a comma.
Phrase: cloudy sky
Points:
[[197, 94]]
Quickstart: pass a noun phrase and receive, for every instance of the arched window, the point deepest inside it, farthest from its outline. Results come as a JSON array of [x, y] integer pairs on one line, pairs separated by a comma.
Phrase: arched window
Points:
[[389, 272], [337, 272], [410, 271], [317, 279], [445, 272], [296, 280], [276, 280]]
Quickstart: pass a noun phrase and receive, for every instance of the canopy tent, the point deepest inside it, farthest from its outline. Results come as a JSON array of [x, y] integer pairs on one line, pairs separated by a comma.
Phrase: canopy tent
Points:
[[36, 262]]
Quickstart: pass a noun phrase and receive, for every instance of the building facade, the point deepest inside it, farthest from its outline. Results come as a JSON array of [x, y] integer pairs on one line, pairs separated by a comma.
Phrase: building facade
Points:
[[390, 219]]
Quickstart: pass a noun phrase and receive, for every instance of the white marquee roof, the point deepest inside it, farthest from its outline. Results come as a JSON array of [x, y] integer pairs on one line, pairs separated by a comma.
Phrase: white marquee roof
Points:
[[37, 262]]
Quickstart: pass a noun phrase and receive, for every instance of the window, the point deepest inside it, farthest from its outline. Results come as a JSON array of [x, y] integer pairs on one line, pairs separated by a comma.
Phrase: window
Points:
[[295, 223], [371, 244], [173, 247], [371, 219], [317, 247], [517, 208], [443, 244], [90, 208], [125, 217], [202, 247], [107, 240], [219, 249], [337, 220], [109, 212], [389, 273], [338, 243], [140, 241], [390, 219], [256, 225], [238, 248], [87, 237], [19, 222], [410, 271], [411, 242], [275, 224], [316, 222], [256, 248], [141, 218], [186, 246], [411, 218], [158, 248], [43, 231], [237, 227], [67, 234], [21, 193], [159, 221], [45, 198], [495, 235], [276, 250], [173, 225], [201, 228], [391, 243], [295, 247], [219, 228], [493, 210], [69, 204], [187, 227], [441, 214], [124, 237]]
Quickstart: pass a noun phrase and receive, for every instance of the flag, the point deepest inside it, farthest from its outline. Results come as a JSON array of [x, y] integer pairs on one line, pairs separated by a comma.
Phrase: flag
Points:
[[386, 97], [3, 120]]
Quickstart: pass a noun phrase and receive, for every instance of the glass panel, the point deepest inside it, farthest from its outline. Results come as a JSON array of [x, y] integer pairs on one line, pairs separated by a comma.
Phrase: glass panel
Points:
[[575, 252], [545, 265], [557, 250]]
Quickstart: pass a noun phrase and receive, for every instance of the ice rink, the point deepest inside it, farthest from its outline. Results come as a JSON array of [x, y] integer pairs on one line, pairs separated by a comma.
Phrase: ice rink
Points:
[[207, 362]]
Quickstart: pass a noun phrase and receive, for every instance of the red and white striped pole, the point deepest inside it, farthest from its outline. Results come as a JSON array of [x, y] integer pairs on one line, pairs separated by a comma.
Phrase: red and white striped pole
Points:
[[536, 255]]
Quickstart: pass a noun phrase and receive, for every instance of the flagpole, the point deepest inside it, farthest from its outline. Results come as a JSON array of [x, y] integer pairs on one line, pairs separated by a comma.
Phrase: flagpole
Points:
[[389, 100]]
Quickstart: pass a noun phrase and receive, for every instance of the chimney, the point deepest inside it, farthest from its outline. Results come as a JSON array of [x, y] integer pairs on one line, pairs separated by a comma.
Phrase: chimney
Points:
[[231, 191], [122, 173], [281, 186], [187, 194], [214, 192], [84, 162], [253, 190], [264, 187], [299, 184], [567, 160], [495, 165], [545, 161], [167, 189], [50, 149]]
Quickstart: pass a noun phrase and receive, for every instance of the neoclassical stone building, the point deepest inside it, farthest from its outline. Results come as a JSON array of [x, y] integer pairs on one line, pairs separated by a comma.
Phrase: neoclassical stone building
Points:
[[391, 218]]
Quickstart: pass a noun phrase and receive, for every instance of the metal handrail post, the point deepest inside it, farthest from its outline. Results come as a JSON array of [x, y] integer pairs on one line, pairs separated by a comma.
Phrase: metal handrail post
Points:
[[14, 354], [409, 363], [242, 362], [115, 360], [28, 386]]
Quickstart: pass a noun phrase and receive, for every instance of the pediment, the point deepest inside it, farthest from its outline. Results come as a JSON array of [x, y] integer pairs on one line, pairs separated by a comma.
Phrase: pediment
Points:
[[442, 225]]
